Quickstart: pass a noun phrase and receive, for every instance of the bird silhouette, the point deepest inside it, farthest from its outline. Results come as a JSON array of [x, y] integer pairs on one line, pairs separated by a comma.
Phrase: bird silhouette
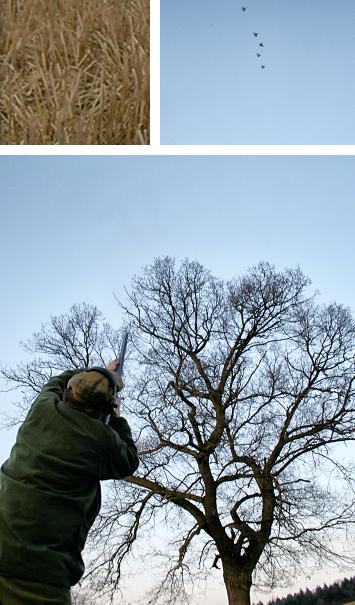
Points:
[[260, 44], [214, 564]]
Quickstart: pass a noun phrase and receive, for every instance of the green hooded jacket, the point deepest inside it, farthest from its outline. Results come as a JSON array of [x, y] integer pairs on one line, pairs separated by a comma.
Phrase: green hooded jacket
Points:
[[50, 486]]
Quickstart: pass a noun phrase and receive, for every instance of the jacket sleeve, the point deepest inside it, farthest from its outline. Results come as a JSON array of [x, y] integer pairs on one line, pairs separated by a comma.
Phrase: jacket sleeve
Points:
[[122, 457], [57, 384]]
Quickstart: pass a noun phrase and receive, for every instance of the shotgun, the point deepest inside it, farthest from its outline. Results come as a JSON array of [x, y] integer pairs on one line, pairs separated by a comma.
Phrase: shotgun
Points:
[[119, 368]]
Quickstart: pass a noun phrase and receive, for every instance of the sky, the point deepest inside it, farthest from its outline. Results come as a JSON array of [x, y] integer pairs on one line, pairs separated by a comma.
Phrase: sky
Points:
[[75, 229], [213, 90]]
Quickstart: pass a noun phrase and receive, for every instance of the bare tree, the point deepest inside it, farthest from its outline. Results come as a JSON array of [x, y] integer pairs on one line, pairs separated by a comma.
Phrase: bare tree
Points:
[[80, 598], [77, 339], [239, 392]]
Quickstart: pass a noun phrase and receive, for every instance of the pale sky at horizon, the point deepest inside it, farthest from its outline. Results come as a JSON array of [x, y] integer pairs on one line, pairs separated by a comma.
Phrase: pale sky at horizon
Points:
[[77, 229], [213, 90]]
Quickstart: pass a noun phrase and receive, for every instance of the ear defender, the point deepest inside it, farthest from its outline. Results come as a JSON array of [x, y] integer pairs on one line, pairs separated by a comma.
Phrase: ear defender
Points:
[[115, 382]]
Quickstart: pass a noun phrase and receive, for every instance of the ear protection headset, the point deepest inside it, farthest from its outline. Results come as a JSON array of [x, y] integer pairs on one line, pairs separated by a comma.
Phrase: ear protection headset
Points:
[[115, 383]]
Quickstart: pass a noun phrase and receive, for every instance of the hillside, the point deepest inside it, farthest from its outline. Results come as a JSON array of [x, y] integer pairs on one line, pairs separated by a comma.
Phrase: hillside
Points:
[[339, 593]]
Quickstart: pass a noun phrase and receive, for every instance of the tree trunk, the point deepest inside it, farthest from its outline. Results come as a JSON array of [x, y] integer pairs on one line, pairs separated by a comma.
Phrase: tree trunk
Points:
[[238, 584]]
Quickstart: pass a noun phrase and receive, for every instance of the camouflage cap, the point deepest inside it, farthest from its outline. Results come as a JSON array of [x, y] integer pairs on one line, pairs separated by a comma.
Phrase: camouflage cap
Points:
[[91, 387]]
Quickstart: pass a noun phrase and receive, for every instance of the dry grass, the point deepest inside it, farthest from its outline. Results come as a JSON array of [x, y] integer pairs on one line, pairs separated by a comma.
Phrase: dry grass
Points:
[[74, 72]]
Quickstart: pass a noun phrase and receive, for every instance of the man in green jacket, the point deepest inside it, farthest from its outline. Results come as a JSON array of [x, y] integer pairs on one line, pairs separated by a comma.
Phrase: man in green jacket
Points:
[[50, 485]]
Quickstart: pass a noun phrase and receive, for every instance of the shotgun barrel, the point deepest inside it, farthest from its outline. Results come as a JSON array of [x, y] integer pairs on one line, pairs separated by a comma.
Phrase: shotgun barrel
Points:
[[119, 368]]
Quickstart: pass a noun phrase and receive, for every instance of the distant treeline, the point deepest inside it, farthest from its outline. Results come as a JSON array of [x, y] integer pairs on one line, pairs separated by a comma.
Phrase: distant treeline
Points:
[[338, 593]]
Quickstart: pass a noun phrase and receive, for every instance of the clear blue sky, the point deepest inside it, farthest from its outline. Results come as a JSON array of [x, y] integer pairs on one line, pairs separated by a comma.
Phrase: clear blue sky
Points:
[[76, 229], [213, 90]]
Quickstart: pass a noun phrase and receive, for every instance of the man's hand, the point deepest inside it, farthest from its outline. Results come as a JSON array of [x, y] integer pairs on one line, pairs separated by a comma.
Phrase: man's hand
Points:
[[112, 366], [117, 407]]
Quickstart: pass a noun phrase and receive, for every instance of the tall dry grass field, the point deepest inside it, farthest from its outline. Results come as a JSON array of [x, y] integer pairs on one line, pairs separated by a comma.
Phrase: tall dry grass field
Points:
[[74, 72]]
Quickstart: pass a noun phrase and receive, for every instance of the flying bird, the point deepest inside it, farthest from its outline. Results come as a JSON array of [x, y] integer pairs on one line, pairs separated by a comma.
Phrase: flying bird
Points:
[[244, 8], [214, 564], [263, 66], [255, 34], [261, 44], [258, 54]]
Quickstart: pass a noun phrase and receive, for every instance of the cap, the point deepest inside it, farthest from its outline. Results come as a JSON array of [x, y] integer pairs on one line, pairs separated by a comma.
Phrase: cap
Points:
[[92, 387]]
